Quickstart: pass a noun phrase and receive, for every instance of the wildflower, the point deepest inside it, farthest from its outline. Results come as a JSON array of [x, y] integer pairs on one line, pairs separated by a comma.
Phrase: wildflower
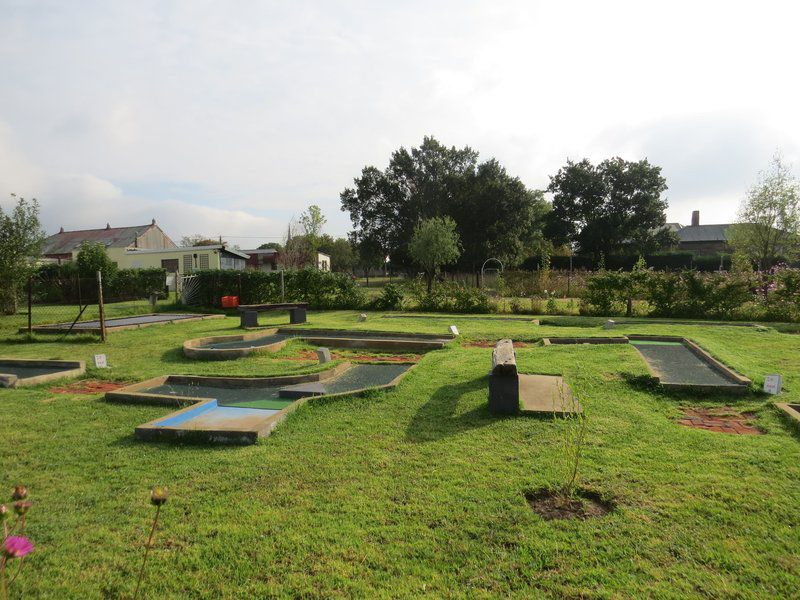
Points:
[[16, 546], [4, 512], [21, 507], [158, 496], [20, 493]]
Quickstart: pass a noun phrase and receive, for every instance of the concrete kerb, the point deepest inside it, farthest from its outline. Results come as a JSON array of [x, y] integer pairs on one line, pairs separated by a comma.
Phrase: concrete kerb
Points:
[[64, 328], [153, 431], [339, 338], [792, 411], [194, 348], [132, 394], [741, 382], [71, 369]]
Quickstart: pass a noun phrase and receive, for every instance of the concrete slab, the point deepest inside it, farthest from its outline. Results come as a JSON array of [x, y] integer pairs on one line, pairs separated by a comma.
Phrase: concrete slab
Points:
[[539, 394]]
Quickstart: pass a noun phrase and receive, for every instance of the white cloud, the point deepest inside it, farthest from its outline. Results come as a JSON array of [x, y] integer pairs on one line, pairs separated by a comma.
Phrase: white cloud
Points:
[[272, 106]]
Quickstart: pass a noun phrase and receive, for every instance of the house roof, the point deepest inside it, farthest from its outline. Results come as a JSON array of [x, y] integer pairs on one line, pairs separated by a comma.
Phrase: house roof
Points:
[[704, 233], [65, 242], [193, 249]]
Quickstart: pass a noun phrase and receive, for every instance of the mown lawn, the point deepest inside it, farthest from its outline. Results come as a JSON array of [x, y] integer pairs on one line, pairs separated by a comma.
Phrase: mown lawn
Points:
[[417, 492]]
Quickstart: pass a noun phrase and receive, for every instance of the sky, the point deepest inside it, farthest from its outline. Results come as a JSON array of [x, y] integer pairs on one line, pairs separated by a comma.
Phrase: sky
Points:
[[230, 118]]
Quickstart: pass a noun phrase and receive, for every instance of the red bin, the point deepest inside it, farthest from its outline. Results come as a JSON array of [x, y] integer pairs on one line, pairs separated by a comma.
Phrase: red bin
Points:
[[230, 301]]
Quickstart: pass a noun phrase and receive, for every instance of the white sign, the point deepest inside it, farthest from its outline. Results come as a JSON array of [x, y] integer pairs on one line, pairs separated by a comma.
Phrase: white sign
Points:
[[100, 361], [773, 384], [453, 329]]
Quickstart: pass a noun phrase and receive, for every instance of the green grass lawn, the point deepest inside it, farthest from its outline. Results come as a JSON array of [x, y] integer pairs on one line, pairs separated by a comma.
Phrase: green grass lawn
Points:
[[416, 492]]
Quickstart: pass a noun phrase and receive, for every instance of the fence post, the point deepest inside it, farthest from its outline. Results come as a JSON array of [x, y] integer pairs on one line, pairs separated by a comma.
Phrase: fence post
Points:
[[283, 290], [30, 304], [101, 305]]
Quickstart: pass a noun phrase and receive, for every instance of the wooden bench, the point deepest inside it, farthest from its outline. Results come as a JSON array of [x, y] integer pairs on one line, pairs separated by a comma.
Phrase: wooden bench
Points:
[[249, 312], [504, 380]]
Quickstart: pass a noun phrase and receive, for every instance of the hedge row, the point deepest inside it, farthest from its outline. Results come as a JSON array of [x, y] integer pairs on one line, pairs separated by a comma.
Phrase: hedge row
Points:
[[770, 295], [672, 261], [61, 284], [321, 289]]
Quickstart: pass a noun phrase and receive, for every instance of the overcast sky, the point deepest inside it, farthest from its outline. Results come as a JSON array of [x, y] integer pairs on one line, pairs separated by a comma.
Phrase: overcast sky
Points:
[[227, 118]]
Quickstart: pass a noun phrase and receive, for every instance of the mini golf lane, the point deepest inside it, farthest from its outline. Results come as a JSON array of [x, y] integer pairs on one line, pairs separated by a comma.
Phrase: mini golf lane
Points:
[[121, 323], [270, 340], [240, 411], [677, 366], [678, 363], [22, 372]]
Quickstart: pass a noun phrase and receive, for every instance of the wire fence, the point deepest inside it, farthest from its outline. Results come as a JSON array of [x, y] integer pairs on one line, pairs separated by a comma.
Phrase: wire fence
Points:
[[64, 301]]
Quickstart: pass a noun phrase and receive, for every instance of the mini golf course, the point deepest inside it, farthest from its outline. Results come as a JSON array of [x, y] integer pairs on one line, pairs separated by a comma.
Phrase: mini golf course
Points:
[[238, 410], [270, 340], [121, 323], [19, 372]]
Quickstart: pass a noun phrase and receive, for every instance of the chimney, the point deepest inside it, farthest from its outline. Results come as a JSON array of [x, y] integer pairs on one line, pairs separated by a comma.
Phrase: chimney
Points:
[[61, 230], [153, 222], [695, 218], [108, 225]]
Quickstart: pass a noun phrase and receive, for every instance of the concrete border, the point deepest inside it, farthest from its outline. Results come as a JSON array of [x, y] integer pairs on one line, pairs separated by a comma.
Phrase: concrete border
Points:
[[584, 340], [64, 327], [194, 348], [791, 410], [72, 369], [151, 431], [343, 338], [740, 382]]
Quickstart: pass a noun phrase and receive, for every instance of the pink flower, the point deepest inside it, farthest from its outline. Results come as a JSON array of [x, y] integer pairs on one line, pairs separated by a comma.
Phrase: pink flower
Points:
[[16, 546]]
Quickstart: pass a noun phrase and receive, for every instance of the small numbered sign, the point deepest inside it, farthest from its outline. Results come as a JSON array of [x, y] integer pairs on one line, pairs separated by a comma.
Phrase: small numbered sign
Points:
[[773, 384], [100, 361]]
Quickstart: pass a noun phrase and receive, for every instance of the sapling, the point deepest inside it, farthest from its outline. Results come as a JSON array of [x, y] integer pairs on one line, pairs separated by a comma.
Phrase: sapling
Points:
[[574, 429], [15, 545], [158, 497]]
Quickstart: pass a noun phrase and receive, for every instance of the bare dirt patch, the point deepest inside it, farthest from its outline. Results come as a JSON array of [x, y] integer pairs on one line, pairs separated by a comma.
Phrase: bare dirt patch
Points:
[[490, 344], [551, 505], [721, 420], [89, 386]]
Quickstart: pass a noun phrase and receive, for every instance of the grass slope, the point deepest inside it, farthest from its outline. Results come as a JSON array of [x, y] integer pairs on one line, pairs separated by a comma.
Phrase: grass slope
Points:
[[414, 492]]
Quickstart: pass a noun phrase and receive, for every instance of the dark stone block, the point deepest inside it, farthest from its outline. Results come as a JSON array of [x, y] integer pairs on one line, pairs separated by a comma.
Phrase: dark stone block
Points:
[[249, 318], [504, 394], [297, 315]]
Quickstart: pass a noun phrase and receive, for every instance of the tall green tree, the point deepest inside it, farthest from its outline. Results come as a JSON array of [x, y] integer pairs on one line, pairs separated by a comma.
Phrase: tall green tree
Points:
[[92, 257], [21, 239], [435, 242], [768, 224], [312, 221], [497, 217], [494, 213], [343, 256], [603, 208], [419, 183]]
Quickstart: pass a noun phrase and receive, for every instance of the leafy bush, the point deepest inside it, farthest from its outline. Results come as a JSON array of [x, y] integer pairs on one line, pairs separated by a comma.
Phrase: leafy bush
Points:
[[448, 297], [391, 298], [321, 289]]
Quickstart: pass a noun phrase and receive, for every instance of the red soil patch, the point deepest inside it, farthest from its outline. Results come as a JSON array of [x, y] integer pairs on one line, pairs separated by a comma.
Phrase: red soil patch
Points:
[[584, 505], [90, 386], [721, 420], [311, 355], [488, 344]]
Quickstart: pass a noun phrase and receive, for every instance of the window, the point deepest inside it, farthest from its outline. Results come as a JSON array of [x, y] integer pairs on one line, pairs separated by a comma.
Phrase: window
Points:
[[187, 263], [204, 261]]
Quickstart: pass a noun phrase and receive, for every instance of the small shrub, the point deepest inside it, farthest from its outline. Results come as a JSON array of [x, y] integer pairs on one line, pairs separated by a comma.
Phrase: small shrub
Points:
[[391, 298]]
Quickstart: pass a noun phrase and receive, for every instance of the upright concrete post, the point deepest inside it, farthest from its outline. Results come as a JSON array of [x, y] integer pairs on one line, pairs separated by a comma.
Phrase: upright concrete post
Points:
[[30, 304], [283, 289], [101, 306]]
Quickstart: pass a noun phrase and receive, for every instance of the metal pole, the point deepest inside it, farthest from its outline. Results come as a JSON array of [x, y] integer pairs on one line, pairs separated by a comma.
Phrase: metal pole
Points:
[[101, 305], [283, 289]]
